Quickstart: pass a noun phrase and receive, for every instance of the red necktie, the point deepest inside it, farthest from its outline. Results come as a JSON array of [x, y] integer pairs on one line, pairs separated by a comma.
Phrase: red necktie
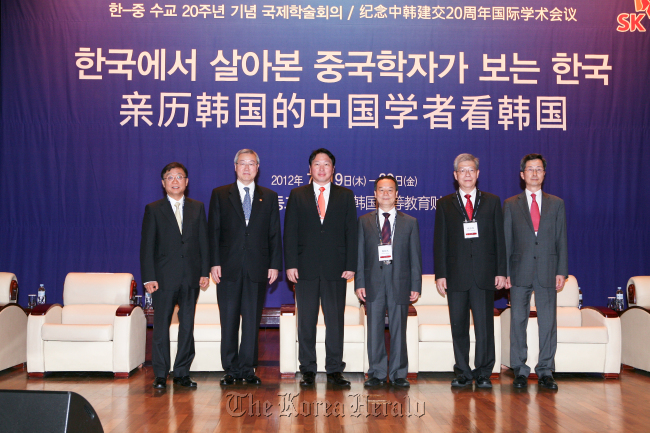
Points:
[[385, 230], [534, 213], [468, 206], [321, 203]]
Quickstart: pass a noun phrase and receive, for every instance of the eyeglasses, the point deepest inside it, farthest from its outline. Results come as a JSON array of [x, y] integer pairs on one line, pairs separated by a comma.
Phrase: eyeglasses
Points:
[[247, 163], [467, 170], [171, 177], [531, 170]]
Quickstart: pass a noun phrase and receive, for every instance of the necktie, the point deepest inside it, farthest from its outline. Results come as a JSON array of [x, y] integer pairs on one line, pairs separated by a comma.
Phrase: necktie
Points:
[[534, 213], [468, 206], [385, 230], [247, 204], [321, 203], [177, 214]]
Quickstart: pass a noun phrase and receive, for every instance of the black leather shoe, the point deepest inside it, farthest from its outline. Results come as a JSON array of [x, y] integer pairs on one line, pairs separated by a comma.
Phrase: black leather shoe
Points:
[[308, 378], [227, 380], [160, 383], [520, 382], [252, 380], [337, 379], [461, 381], [184, 381], [401, 382], [547, 382], [483, 382], [373, 382]]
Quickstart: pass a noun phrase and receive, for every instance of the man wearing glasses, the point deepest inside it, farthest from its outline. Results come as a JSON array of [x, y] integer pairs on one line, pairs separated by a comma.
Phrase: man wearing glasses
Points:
[[245, 256], [469, 257], [174, 263], [536, 250]]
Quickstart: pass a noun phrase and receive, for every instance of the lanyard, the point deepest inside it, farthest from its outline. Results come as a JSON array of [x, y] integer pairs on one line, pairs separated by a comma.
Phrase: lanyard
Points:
[[392, 232], [462, 208]]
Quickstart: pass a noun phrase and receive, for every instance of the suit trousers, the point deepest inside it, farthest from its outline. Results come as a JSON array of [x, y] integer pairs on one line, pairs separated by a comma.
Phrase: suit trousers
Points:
[[397, 316], [481, 303], [331, 295], [164, 301], [241, 299], [546, 304]]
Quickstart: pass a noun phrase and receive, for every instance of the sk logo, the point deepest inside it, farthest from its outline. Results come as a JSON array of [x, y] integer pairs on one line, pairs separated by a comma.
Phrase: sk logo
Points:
[[632, 22]]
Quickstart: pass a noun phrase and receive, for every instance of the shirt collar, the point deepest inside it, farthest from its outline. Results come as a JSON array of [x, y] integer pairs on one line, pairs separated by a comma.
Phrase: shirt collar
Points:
[[392, 212], [173, 202], [538, 195], [241, 187], [317, 187], [472, 194]]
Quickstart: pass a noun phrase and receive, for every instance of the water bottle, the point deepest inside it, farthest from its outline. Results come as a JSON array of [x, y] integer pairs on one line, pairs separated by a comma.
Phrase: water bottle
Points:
[[41, 295], [148, 303], [579, 297], [619, 300]]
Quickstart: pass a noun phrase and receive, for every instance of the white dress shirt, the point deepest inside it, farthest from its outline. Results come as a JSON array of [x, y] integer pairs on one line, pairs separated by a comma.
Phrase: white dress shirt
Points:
[[472, 198], [326, 196], [242, 193], [391, 221], [173, 204], [538, 199]]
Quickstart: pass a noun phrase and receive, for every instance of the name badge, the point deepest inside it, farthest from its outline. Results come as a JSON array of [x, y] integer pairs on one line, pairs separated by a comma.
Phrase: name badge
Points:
[[385, 253], [471, 229]]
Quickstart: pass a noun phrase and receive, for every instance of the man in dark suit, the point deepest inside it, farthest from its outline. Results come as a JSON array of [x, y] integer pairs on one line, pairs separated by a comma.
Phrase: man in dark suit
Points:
[[174, 263], [470, 262], [320, 253], [245, 253], [389, 276], [536, 249]]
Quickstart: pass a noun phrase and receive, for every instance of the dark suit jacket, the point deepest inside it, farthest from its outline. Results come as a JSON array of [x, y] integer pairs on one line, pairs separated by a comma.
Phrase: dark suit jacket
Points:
[[168, 257], [527, 254], [464, 262], [320, 250], [407, 258], [257, 247]]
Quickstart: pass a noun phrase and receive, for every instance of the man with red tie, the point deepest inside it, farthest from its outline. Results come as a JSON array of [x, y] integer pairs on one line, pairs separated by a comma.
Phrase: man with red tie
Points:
[[320, 253], [536, 250], [470, 263]]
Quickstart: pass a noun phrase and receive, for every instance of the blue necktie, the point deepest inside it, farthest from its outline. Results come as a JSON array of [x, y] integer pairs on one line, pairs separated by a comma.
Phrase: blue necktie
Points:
[[247, 204]]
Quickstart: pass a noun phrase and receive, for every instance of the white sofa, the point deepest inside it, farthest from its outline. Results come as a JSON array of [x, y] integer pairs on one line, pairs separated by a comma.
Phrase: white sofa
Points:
[[588, 340], [435, 351], [635, 324], [13, 323], [97, 329], [355, 354], [207, 332]]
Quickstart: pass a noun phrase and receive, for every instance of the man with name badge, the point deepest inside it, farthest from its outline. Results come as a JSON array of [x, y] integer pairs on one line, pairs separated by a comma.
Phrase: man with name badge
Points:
[[389, 277], [470, 263], [536, 250]]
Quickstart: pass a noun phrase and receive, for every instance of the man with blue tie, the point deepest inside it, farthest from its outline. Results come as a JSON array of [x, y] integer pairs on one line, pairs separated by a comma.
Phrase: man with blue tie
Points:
[[245, 256]]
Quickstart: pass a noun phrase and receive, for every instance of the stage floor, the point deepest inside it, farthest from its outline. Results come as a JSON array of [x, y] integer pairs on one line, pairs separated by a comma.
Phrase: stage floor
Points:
[[583, 403]]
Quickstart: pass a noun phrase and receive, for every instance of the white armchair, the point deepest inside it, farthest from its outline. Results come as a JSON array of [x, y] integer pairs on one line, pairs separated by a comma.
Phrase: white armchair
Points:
[[588, 340], [207, 332], [635, 324], [435, 350], [355, 354], [96, 330], [13, 323]]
